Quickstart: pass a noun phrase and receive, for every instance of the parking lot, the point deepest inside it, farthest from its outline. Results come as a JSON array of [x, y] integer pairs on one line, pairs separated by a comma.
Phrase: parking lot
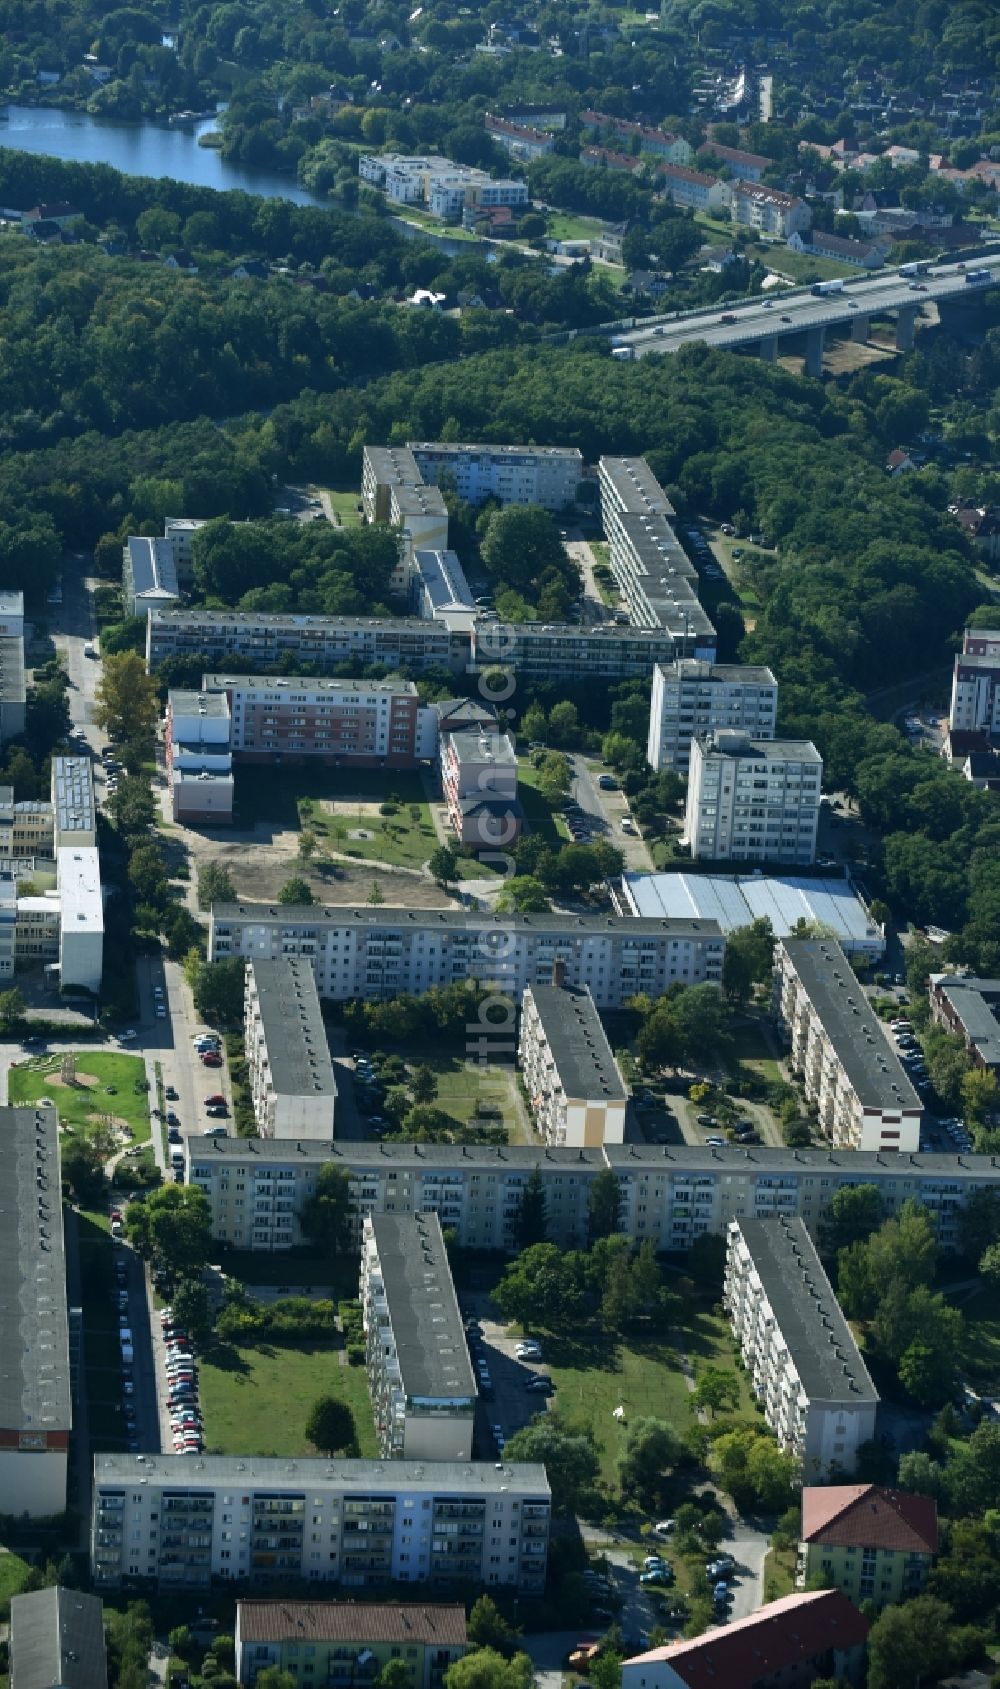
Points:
[[506, 1404]]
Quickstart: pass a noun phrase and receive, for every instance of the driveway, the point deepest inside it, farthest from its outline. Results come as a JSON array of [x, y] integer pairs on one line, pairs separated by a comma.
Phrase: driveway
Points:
[[748, 1546], [605, 811], [579, 552]]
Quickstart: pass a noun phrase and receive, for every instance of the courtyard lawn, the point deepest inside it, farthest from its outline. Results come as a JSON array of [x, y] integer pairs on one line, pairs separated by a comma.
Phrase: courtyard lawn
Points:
[[645, 1378], [104, 1089], [345, 506], [257, 1401], [752, 1049], [461, 1085], [539, 814], [341, 802], [14, 1574]]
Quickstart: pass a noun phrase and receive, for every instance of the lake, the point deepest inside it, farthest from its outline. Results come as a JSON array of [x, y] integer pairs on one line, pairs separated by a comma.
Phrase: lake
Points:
[[152, 149]]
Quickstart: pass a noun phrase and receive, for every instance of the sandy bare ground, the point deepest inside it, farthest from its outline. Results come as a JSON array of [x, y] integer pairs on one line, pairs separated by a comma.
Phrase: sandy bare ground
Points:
[[260, 868], [348, 808]]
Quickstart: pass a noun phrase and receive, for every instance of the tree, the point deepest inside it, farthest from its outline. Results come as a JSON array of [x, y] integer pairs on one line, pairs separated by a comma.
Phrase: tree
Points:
[[531, 1221], [989, 1262], [717, 1390], [307, 844], [521, 542], [569, 1457], [175, 1224], [650, 1447], [701, 1017], [295, 892], [325, 1216], [911, 1647], [545, 1286], [564, 723], [604, 1205], [83, 1170], [487, 1627], [215, 885], [423, 1084], [11, 1007], [553, 778], [132, 808], [980, 1094], [748, 960], [523, 895], [750, 1466], [126, 705], [330, 1427], [855, 1212], [192, 1311], [443, 865], [218, 989]]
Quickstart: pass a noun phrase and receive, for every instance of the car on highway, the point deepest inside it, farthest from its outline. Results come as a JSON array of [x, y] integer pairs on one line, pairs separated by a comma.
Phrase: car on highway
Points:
[[784, 318], [161, 1013]]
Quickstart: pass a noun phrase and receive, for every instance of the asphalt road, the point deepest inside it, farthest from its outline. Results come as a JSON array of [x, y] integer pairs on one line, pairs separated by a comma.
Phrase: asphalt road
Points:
[[605, 811]]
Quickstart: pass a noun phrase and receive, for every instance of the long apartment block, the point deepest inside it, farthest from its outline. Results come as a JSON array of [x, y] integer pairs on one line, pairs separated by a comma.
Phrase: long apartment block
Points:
[[361, 723], [419, 1372], [575, 1089], [545, 475], [671, 1194], [852, 1075], [291, 1074], [383, 952], [656, 578], [803, 1363], [184, 1524], [35, 1405], [690, 697]]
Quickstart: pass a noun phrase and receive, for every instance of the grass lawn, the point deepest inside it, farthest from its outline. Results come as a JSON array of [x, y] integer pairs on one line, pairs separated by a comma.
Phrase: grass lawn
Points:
[[779, 1574], [461, 1086], [751, 1047], [257, 1401], [801, 266], [564, 225], [541, 817], [13, 1576], [83, 1105], [346, 507], [276, 795], [982, 1341], [645, 1378]]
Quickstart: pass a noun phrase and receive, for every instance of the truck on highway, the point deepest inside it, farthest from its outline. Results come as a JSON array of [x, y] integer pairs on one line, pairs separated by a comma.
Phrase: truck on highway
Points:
[[921, 268], [978, 278], [828, 286], [624, 354]]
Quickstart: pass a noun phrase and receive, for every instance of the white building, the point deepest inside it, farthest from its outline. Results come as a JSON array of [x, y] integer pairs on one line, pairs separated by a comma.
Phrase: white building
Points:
[[670, 1194], [198, 757], [737, 900], [839, 1049], [80, 916], [574, 1084], [752, 800], [184, 1524], [149, 577], [439, 589], [801, 1358], [974, 716], [656, 578], [13, 693], [419, 1371], [257, 640], [35, 1406], [691, 697], [378, 952], [179, 532], [74, 810], [291, 1075], [769, 210], [545, 475]]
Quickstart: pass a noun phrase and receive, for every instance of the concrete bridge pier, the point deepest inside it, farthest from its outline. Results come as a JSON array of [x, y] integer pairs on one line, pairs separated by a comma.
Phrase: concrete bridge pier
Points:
[[769, 349], [860, 328], [905, 320], [815, 342]]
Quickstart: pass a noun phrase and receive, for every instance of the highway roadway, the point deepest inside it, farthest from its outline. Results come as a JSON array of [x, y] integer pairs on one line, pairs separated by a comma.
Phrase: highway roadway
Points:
[[797, 312]]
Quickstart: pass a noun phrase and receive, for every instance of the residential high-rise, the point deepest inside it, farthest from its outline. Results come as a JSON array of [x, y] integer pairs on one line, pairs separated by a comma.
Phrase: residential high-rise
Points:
[[752, 800], [690, 697]]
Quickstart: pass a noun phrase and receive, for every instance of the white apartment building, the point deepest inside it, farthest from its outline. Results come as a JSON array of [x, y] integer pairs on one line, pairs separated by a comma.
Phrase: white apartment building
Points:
[[975, 692], [438, 587], [754, 206], [13, 693], [852, 1075], [80, 917], [654, 574], [364, 723], [752, 800], [197, 740], [291, 1074], [35, 1404], [261, 640], [478, 768], [184, 1523], [670, 1194], [419, 1372], [179, 532], [378, 952], [690, 697], [695, 188], [801, 1358], [149, 577], [574, 1085], [545, 475]]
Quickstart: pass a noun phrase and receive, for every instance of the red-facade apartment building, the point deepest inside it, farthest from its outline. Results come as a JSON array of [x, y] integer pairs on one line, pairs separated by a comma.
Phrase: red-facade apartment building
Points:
[[366, 723]]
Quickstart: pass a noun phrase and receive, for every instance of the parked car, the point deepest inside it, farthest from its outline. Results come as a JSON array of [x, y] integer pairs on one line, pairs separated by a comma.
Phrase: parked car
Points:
[[215, 1100], [210, 1060]]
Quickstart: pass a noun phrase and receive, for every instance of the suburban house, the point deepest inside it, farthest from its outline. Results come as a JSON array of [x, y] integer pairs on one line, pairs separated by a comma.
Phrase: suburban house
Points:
[[871, 1543]]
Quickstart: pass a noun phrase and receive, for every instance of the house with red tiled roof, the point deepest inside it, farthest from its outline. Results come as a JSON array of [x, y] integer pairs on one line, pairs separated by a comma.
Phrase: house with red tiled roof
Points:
[[870, 1543], [792, 1641]]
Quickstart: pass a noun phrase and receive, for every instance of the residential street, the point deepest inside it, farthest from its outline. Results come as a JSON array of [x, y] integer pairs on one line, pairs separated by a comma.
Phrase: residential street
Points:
[[607, 810]]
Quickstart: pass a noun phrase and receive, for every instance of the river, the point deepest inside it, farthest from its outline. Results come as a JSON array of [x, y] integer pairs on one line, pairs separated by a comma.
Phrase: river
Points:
[[153, 149]]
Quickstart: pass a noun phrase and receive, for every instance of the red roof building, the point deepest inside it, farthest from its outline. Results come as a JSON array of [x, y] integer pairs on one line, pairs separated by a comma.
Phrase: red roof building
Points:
[[816, 1634], [870, 1543]]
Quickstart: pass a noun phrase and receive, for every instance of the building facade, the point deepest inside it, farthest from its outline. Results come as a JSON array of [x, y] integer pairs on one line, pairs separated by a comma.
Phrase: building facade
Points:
[[545, 475], [13, 691], [975, 690], [792, 1641], [184, 1524], [970, 1008], [196, 740], [358, 723], [670, 1194], [691, 697], [851, 1074], [575, 1087], [802, 1362], [656, 578], [291, 1074], [874, 1544], [347, 1643], [271, 641], [149, 577], [35, 1403], [752, 800], [383, 952], [478, 769], [419, 1372]]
